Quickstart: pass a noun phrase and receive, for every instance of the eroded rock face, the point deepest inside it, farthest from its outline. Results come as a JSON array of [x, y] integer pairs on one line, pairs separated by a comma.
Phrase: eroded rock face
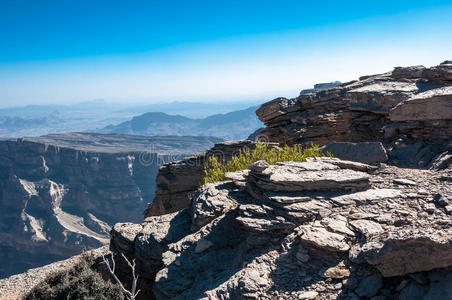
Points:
[[366, 234], [60, 194], [409, 110]]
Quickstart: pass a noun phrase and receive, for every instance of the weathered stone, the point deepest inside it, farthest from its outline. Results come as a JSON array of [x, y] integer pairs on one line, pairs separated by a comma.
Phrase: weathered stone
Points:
[[368, 153], [430, 105], [123, 236], [372, 195], [404, 252], [209, 202], [440, 286], [410, 102], [366, 227], [311, 176], [259, 166], [408, 72], [320, 87], [369, 286], [345, 164], [261, 222], [237, 176], [275, 108], [448, 209], [338, 224], [308, 295], [404, 181], [337, 272], [321, 238], [442, 161], [203, 245]]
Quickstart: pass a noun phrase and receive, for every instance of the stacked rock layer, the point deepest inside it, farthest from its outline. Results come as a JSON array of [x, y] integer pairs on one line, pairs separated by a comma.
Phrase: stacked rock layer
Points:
[[409, 110], [323, 229]]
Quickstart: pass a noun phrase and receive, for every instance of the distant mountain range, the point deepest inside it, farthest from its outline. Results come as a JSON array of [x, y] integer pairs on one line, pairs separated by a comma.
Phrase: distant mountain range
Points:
[[230, 126], [173, 118]]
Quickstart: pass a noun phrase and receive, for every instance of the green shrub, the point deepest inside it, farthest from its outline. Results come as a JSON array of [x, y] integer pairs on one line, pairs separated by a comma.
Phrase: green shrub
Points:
[[215, 170], [78, 282]]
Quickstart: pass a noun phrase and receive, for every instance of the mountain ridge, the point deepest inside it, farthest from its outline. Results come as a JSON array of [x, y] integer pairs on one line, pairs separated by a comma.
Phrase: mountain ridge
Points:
[[233, 125]]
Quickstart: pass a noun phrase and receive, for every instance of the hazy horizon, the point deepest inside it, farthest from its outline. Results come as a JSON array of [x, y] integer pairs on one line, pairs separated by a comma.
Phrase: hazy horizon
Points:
[[202, 51]]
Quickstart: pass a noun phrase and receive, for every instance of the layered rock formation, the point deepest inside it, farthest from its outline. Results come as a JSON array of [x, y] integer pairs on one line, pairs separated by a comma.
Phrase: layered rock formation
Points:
[[323, 229], [60, 194], [409, 110], [177, 181], [371, 120]]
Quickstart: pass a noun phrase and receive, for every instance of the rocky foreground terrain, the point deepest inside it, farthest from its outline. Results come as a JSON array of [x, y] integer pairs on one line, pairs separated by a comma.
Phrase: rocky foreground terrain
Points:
[[323, 229], [60, 194]]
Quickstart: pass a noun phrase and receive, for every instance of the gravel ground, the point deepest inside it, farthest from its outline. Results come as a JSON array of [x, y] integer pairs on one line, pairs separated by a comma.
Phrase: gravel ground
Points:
[[16, 286]]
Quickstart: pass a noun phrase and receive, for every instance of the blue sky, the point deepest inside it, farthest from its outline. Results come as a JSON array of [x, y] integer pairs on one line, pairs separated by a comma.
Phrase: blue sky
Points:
[[152, 51]]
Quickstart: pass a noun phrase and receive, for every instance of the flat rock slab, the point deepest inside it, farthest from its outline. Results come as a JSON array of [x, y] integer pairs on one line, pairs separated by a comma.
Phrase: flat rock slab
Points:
[[338, 224], [366, 227], [404, 181], [289, 180], [345, 164], [322, 238], [367, 196], [288, 198]]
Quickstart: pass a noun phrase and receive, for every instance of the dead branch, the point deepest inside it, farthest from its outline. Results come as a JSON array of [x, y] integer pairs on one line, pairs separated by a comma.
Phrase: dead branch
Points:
[[130, 295]]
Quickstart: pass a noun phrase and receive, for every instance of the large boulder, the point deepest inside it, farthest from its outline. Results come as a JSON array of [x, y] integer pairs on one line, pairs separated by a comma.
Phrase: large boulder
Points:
[[408, 251], [366, 152]]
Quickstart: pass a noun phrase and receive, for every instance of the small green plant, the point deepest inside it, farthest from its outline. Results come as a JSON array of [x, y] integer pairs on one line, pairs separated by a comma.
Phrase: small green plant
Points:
[[78, 282], [215, 170]]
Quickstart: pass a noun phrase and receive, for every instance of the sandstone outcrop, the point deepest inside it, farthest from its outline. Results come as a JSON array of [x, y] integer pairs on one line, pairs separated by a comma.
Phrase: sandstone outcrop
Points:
[[409, 110], [59, 194], [323, 229]]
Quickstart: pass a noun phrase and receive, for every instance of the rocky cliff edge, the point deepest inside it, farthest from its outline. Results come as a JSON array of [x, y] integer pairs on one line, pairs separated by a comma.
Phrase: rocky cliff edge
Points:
[[323, 229], [409, 110]]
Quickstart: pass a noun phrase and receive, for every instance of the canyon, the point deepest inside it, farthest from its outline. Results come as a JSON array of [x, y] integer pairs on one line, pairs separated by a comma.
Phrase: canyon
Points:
[[61, 193]]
